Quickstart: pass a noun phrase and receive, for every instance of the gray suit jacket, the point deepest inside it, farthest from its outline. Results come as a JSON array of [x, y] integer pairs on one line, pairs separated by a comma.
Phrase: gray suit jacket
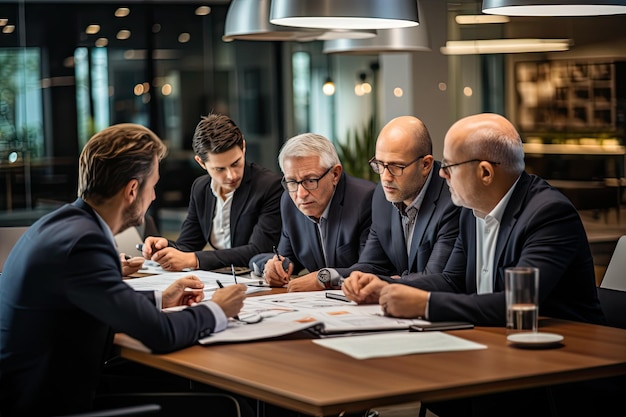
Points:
[[349, 220], [436, 229]]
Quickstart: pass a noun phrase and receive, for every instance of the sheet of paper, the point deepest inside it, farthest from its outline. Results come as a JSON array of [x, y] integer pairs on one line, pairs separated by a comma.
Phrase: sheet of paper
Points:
[[242, 332], [397, 343], [165, 279]]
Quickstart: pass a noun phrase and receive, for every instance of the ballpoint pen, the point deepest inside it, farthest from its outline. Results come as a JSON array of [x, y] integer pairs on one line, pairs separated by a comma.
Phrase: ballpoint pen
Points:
[[232, 269], [282, 264], [219, 284]]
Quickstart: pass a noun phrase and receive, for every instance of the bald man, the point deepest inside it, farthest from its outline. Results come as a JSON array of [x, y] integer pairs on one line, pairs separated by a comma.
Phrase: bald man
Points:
[[414, 222], [511, 219]]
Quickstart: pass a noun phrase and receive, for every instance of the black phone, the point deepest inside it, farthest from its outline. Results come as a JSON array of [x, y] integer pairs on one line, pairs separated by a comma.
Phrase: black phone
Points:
[[441, 325], [339, 297]]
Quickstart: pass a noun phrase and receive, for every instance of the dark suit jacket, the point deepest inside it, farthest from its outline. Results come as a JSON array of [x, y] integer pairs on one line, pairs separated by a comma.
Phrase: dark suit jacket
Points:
[[254, 219], [61, 296], [349, 219], [436, 229], [540, 228]]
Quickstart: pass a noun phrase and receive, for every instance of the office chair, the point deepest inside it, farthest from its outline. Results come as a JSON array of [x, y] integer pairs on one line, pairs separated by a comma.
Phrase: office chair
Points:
[[612, 289], [146, 409], [8, 237], [170, 404]]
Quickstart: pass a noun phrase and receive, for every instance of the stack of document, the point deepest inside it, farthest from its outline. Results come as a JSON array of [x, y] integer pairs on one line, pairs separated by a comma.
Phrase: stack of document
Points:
[[281, 314]]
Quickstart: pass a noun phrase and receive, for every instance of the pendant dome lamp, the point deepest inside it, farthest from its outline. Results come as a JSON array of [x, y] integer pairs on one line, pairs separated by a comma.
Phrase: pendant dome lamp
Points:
[[249, 20], [554, 7], [413, 39], [344, 14]]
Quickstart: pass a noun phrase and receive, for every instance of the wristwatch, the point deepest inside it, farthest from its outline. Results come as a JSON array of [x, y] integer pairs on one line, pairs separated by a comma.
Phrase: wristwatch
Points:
[[324, 277]]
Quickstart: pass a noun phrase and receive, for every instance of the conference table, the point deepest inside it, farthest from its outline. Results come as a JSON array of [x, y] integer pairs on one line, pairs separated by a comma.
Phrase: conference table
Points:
[[297, 374]]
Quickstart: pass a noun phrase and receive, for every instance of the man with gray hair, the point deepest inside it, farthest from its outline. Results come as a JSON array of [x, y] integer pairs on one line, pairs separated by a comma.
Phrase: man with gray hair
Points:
[[326, 213]]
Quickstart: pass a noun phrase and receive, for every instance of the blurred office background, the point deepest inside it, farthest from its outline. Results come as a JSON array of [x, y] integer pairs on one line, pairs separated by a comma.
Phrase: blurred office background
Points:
[[71, 68]]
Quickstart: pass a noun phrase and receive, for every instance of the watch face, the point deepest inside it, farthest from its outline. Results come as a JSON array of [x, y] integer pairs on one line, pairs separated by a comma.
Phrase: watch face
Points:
[[324, 275]]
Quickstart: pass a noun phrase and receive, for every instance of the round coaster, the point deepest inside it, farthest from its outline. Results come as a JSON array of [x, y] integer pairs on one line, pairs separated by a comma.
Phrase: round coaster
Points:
[[531, 339]]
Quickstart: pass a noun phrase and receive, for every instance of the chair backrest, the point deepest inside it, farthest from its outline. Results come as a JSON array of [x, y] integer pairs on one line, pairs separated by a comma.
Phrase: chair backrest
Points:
[[127, 241], [615, 275], [612, 289], [8, 236]]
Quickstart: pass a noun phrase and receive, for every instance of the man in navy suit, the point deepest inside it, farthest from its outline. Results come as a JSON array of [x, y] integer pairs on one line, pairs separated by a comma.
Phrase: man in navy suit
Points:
[[62, 295], [326, 213], [510, 219], [234, 209], [414, 223]]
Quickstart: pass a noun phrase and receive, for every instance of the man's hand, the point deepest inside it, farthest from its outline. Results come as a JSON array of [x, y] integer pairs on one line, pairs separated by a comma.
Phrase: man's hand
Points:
[[130, 265], [363, 288], [230, 299], [399, 300], [306, 282], [274, 273], [184, 291], [170, 259], [152, 245]]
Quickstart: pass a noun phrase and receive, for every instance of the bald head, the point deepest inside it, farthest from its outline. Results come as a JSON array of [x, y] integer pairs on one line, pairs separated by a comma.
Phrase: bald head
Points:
[[490, 137], [405, 134]]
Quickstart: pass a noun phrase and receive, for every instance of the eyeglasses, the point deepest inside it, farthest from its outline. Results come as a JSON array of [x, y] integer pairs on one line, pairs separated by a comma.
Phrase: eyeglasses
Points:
[[395, 170], [308, 184], [446, 167]]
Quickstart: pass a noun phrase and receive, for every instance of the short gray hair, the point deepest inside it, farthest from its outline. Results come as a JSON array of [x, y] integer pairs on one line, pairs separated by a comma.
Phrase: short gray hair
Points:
[[500, 146], [309, 144]]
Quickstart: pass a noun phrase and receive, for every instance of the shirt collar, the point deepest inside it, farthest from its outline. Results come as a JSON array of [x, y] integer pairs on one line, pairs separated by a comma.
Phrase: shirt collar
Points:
[[498, 211], [326, 210], [417, 201]]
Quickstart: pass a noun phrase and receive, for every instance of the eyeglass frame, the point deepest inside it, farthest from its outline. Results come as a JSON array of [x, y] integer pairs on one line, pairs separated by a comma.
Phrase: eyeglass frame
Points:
[[446, 168], [373, 162], [286, 183]]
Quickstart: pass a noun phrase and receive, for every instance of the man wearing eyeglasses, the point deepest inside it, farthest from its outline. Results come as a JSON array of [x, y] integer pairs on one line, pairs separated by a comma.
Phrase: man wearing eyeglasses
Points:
[[414, 223], [326, 213], [511, 218]]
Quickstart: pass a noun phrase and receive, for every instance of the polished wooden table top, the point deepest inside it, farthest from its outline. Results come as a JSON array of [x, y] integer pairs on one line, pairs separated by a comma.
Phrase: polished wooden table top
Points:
[[302, 376]]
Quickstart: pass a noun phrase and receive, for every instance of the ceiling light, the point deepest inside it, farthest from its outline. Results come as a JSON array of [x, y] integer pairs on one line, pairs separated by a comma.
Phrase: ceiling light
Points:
[[413, 39], [480, 19], [202, 11], [92, 29], [249, 20], [554, 7], [329, 87], [122, 12], [504, 46], [344, 14]]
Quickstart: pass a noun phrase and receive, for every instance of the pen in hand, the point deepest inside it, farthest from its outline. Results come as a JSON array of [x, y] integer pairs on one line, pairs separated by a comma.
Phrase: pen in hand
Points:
[[219, 283], [282, 263]]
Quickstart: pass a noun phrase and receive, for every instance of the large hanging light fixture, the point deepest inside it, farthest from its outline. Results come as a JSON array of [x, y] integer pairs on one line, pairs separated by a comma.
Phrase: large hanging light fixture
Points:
[[413, 39], [554, 7], [249, 20], [345, 14]]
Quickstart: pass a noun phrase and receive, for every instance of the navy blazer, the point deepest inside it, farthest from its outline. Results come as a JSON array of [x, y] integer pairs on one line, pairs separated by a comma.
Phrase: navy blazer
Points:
[[540, 228], [254, 219], [61, 298], [436, 229], [349, 220]]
